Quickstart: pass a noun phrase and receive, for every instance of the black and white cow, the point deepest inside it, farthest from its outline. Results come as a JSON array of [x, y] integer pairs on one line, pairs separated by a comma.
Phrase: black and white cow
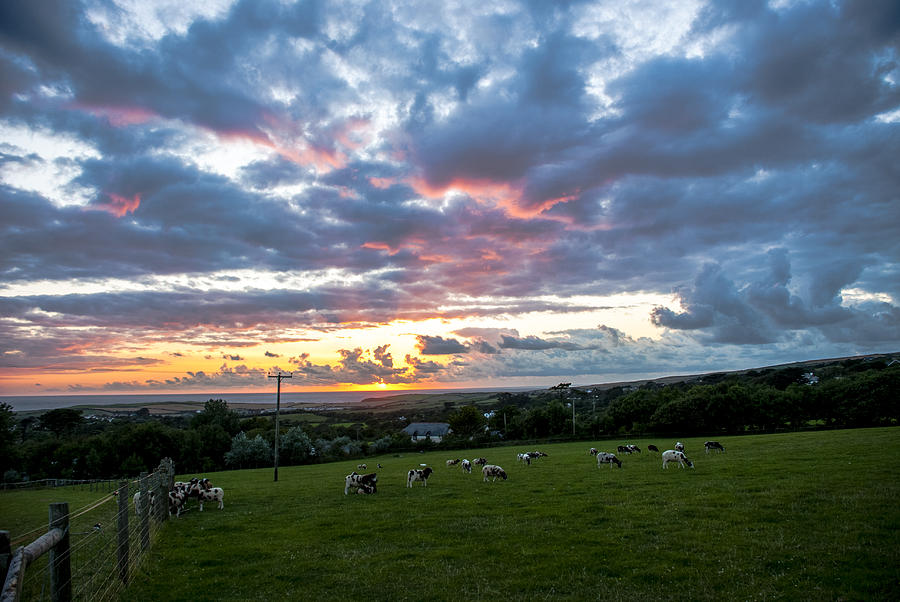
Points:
[[452, 462], [479, 461], [651, 447], [493, 471], [624, 449], [713, 445], [679, 446], [418, 474], [608, 458], [466, 466], [634, 448], [365, 482], [672, 455]]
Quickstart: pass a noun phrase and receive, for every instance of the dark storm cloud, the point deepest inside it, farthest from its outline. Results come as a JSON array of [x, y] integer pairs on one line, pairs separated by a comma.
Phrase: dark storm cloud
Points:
[[756, 177], [766, 311], [534, 343], [432, 345]]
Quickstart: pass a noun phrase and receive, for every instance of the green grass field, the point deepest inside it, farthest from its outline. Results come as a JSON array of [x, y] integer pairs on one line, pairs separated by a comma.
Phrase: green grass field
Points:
[[789, 516]]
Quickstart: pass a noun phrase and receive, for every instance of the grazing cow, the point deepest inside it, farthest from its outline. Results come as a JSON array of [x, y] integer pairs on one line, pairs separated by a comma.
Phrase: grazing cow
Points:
[[624, 449], [493, 471], [361, 467], [467, 466], [652, 447], [608, 458], [713, 445], [634, 448], [679, 446], [672, 455], [452, 462], [361, 481], [479, 461], [215, 494], [593, 451], [418, 474]]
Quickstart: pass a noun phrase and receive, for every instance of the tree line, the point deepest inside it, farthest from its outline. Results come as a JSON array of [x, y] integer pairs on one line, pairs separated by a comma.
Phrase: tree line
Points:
[[849, 394], [61, 443]]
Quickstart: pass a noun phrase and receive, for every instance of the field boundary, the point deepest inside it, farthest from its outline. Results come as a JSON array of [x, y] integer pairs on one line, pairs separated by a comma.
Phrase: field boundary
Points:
[[96, 563]]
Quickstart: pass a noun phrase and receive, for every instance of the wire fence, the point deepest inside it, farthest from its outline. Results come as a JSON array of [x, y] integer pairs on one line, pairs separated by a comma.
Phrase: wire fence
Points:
[[108, 541], [92, 484]]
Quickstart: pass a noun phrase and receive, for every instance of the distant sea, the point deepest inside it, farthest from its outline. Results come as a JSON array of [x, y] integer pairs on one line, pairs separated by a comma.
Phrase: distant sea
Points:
[[26, 403]]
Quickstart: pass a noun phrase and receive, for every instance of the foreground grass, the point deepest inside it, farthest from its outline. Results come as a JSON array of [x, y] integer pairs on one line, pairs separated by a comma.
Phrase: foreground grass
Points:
[[805, 515]]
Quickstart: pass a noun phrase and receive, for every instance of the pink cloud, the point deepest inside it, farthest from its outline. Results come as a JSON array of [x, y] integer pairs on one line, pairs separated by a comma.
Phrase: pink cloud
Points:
[[506, 195], [119, 205], [118, 116]]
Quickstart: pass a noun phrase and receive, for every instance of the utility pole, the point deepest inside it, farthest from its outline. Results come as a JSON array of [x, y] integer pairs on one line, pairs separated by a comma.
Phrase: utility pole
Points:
[[279, 376]]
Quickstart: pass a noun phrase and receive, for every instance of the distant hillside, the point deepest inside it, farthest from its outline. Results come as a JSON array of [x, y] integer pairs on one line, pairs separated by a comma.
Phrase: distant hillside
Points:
[[425, 406], [811, 365]]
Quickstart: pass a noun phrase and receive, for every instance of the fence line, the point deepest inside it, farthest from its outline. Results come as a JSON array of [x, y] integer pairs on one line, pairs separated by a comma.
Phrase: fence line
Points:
[[100, 484], [94, 556]]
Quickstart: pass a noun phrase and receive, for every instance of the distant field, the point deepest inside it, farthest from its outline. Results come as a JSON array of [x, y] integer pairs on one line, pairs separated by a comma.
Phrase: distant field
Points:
[[789, 516]]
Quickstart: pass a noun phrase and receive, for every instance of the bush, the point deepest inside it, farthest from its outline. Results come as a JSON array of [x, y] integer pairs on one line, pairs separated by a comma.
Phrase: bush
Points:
[[248, 453]]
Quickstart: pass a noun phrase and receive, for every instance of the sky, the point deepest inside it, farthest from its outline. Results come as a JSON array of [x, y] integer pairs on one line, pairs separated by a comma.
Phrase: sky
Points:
[[390, 194]]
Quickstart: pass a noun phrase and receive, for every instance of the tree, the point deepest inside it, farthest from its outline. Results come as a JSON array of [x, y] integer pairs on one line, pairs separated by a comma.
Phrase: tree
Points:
[[466, 421], [248, 453], [132, 466], [214, 444], [295, 446], [216, 413], [7, 425], [559, 419], [61, 421]]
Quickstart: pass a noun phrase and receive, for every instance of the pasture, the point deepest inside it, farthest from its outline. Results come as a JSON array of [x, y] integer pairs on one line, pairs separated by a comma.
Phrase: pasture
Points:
[[802, 515]]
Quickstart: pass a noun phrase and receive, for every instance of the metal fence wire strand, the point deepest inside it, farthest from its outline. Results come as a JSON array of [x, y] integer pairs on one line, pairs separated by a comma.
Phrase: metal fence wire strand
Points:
[[95, 544]]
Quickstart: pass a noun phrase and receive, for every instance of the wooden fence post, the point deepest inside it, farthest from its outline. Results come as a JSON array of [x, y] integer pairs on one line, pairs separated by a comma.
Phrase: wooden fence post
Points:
[[5, 554], [59, 559], [162, 496], [144, 512], [123, 531]]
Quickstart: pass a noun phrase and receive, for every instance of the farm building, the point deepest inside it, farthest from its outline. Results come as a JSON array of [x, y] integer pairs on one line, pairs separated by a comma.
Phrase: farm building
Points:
[[427, 430]]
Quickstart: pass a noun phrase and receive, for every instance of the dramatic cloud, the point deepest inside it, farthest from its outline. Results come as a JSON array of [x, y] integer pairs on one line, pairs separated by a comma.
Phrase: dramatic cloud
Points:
[[442, 193], [439, 346]]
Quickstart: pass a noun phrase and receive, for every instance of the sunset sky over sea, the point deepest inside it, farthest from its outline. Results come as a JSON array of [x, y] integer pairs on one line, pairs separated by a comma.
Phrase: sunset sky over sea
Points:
[[194, 195]]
